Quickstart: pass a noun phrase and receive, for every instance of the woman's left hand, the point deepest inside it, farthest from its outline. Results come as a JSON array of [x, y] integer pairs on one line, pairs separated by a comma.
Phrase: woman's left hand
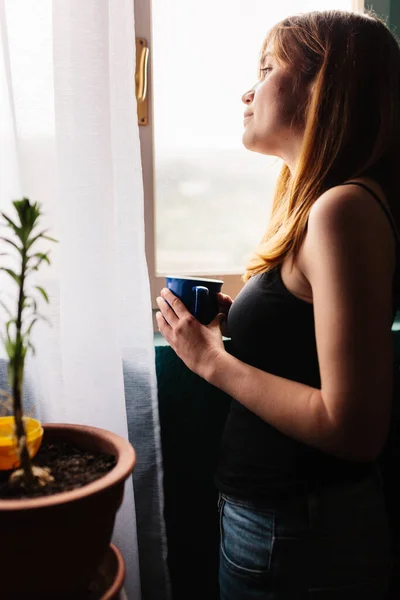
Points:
[[196, 344]]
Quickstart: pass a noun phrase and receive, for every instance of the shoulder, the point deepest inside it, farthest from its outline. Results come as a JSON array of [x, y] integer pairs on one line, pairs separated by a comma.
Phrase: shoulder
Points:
[[348, 222], [349, 205]]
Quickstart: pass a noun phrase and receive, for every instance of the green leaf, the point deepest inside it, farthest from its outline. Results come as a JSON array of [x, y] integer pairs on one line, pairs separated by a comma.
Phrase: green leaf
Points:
[[51, 239], [27, 212], [31, 241], [28, 331], [8, 325], [9, 345], [4, 305], [11, 371], [12, 244], [43, 292], [34, 268], [43, 318], [11, 223], [15, 340], [32, 347], [12, 274], [41, 257], [10, 349]]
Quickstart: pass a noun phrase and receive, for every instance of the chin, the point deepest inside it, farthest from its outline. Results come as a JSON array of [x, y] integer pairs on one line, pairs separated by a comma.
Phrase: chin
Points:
[[253, 146], [248, 141]]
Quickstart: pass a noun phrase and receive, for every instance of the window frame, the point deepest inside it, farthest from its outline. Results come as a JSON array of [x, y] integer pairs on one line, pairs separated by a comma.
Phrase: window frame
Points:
[[232, 282]]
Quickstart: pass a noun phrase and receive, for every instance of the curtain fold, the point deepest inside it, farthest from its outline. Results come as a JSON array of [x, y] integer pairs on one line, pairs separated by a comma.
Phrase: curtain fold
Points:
[[70, 140]]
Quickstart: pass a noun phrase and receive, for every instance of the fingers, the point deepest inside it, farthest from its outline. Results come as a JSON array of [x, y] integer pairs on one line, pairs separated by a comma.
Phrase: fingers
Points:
[[224, 303], [218, 320], [177, 307], [163, 326], [224, 298], [166, 311]]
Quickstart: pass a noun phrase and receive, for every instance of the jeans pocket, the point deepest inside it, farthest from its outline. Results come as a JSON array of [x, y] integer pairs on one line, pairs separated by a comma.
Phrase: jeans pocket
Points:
[[247, 538]]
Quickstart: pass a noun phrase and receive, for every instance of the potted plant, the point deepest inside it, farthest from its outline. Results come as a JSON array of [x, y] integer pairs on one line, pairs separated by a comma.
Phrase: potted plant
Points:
[[60, 484]]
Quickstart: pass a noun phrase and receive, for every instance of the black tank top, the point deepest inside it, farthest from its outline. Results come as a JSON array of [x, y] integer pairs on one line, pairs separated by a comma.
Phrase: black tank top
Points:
[[273, 330]]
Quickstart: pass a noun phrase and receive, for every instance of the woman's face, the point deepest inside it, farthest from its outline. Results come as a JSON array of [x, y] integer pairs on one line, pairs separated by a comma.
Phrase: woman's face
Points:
[[272, 102]]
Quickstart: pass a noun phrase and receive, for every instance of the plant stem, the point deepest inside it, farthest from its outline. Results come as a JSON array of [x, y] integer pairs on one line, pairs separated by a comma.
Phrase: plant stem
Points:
[[17, 381]]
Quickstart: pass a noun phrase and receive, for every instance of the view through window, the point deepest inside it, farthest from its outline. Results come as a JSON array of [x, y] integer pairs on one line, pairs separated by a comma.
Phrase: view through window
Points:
[[212, 196]]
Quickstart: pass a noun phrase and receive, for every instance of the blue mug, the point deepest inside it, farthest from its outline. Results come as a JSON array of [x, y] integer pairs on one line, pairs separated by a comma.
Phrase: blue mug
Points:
[[199, 295]]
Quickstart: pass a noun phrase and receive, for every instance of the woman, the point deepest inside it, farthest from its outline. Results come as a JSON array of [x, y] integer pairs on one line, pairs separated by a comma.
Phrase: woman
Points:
[[311, 372]]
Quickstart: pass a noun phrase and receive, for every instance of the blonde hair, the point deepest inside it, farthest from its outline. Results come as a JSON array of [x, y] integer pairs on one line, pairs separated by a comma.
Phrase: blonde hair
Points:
[[351, 120]]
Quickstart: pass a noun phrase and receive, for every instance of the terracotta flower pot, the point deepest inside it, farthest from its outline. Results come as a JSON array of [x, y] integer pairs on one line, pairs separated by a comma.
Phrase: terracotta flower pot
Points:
[[112, 570], [52, 546], [110, 575]]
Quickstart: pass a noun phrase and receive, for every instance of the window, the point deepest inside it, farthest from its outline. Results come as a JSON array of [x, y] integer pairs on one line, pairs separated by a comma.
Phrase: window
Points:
[[207, 198]]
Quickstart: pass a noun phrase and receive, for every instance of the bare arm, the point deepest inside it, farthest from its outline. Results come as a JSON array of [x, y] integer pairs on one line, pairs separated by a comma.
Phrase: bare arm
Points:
[[349, 264]]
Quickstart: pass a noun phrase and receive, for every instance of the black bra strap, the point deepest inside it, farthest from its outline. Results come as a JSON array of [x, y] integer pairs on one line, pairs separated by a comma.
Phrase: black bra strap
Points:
[[386, 211]]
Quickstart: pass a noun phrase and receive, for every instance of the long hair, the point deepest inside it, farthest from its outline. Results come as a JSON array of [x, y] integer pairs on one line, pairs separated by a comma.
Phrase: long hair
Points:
[[351, 120]]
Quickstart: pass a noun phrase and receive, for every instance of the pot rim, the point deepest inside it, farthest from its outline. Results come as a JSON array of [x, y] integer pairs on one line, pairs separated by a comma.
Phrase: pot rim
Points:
[[120, 574], [126, 460]]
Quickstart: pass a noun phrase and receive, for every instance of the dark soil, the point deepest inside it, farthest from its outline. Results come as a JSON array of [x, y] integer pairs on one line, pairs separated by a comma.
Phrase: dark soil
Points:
[[71, 468]]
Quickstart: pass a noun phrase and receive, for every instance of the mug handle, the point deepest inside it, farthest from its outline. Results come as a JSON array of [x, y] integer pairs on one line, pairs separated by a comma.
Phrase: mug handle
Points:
[[200, 291]]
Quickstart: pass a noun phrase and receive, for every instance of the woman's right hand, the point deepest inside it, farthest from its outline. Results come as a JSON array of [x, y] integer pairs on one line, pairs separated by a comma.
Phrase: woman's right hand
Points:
[[224, 304]]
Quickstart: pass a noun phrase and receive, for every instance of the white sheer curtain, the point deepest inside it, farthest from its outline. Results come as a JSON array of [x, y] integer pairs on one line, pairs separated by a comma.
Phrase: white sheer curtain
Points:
[[69, 139]]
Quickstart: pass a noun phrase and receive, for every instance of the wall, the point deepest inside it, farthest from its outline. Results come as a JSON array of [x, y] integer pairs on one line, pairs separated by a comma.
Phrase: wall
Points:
[[388, 9], [395, 16]]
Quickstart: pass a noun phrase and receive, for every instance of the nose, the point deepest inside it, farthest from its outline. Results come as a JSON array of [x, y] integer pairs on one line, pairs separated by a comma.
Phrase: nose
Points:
[[247, 97]]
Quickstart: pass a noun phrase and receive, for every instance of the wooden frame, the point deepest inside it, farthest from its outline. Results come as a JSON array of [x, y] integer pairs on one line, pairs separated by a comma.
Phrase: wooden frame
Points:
[[143, 32]]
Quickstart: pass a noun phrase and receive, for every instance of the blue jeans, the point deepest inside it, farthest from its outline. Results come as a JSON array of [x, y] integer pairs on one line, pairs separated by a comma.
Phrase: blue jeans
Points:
[[328, 544]]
